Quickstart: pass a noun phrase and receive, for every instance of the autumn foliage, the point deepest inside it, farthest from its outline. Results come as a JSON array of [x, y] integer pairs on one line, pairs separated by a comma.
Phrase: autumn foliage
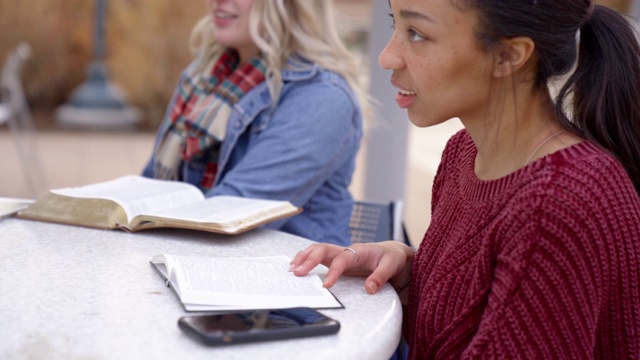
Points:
[[146, 44]]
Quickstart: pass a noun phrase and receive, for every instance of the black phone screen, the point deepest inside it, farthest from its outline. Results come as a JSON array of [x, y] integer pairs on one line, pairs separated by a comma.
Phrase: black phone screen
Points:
[[258, 325]]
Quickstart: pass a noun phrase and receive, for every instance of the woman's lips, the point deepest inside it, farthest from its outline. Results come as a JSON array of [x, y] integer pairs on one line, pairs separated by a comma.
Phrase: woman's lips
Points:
[[404, 98], [222, 18]]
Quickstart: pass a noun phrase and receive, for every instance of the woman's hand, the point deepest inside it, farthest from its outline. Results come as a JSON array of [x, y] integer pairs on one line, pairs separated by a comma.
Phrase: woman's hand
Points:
[[379, 262]]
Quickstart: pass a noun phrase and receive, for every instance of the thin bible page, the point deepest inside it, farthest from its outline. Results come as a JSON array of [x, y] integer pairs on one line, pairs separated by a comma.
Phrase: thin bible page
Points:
[[138, 195], [223, 210], [257, 282]]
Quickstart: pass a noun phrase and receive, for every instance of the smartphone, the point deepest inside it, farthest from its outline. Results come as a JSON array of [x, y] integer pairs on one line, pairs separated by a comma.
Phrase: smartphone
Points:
[[257, 325]]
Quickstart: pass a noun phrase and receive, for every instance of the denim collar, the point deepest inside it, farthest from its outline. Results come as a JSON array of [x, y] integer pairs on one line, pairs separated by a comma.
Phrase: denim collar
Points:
[[299, 68]]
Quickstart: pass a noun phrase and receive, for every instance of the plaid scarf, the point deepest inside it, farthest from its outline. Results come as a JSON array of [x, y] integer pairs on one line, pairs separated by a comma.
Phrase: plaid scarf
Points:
[[201, 111]]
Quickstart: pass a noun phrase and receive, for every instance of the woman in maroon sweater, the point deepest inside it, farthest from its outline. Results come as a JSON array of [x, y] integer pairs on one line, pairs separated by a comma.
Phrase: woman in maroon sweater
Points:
[[533, 249]]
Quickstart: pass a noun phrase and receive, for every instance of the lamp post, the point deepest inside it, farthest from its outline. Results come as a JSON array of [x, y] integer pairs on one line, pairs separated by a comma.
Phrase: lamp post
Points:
[[97, 102]]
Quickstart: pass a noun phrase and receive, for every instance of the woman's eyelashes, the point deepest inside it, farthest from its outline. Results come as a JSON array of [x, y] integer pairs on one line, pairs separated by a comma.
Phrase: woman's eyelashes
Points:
[[414, 36]]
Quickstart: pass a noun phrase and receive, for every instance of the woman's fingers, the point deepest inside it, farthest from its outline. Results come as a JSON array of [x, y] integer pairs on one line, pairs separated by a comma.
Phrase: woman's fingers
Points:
[[378, 262], [307, 259], [336, 258], [347, 258], [388, 267], [300, 258]]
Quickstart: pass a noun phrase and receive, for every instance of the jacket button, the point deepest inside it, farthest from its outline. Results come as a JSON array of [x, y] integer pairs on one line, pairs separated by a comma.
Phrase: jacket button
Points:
[[238, 124]]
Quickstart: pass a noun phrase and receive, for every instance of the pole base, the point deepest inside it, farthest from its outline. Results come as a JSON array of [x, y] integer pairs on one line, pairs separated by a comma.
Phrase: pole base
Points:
[[126, 118]]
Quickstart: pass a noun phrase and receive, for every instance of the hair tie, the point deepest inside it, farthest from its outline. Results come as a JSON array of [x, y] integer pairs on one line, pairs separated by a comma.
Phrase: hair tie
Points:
[[590, 9]]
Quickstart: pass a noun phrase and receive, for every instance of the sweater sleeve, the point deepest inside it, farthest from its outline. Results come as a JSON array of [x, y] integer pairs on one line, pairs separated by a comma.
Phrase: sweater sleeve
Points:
[[556, 289]]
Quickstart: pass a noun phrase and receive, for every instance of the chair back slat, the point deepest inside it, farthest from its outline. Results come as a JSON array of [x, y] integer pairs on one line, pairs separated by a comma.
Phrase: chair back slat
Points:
[[373, 222]]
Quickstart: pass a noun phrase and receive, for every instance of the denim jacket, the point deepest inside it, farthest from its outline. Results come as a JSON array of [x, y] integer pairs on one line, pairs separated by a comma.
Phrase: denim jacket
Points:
[[302, 150]]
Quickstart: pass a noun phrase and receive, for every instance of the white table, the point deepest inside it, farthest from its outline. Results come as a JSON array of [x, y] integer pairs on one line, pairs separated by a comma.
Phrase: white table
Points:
[[77, 293]]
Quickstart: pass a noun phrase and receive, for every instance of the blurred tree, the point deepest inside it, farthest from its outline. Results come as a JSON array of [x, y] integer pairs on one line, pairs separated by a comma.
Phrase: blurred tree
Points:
[[146, 47], [620, 5]]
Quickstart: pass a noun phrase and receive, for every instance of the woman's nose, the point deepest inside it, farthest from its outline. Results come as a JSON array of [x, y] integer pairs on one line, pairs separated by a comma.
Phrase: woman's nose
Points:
[[389, 57]]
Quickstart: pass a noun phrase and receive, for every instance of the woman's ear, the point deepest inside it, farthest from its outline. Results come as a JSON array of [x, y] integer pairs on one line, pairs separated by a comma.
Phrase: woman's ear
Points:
[[515, 53]]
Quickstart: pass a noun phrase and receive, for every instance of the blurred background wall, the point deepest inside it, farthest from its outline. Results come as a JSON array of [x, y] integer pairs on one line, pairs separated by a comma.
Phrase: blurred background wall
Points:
[[146, 46]]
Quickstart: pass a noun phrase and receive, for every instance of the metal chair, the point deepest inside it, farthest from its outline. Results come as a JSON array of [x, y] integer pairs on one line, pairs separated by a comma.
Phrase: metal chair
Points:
[[372, 222], [5, 113], [14, 111]]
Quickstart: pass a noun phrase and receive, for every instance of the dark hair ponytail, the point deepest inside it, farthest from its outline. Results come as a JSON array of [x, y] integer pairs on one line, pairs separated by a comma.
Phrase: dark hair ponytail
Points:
[[605, 89]]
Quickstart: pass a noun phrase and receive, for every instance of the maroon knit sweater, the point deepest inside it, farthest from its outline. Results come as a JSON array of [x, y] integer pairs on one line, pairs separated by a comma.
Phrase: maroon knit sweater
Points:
[[541, 264]]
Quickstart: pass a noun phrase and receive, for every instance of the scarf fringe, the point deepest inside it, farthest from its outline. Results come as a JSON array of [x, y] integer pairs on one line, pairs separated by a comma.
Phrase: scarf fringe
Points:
[[202, 108]]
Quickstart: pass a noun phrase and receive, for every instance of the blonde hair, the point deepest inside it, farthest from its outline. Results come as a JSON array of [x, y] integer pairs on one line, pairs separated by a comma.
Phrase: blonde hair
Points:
[[282, 28]]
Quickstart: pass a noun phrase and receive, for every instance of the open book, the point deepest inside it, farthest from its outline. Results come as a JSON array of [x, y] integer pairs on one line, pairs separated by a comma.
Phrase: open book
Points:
[[219, 283], [136, 203], [10, 206]]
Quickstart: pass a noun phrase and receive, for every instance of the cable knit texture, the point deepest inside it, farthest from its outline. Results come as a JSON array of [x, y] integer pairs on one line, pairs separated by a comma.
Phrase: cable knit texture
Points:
[[543, 263]]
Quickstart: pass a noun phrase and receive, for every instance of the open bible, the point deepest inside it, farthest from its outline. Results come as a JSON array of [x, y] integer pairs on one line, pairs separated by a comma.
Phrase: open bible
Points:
[[220, 283], [134, 203]]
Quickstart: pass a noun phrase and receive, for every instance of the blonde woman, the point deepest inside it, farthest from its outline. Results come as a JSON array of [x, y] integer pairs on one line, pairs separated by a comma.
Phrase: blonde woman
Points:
[[270, 108]]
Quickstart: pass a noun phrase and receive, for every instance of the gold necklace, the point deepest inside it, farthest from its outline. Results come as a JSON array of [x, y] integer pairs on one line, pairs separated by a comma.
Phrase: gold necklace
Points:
[[542, 143]]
